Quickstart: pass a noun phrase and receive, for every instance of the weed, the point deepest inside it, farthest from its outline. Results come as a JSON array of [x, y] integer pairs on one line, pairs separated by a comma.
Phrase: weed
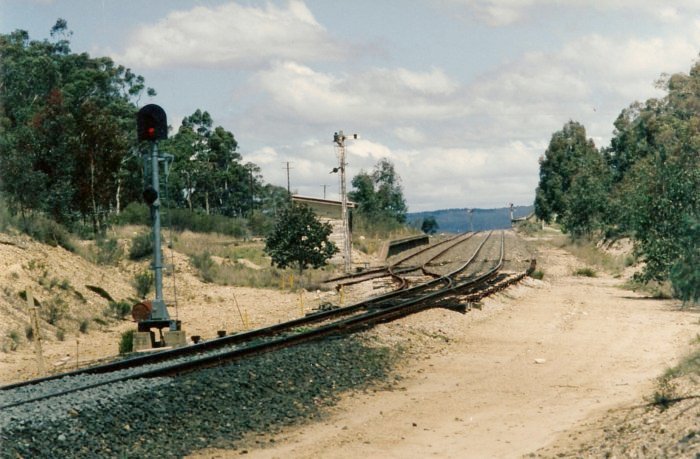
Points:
[[143, 283], [109, 252], [141, 246], [537, 274], [585, 272], [64, 285], [61, 334], [665, 395], [84, 326], [55, 311], [119, 309], [14, 337], [100, 321], [43, 229], [126, 342], [206, 266], [29, 332]]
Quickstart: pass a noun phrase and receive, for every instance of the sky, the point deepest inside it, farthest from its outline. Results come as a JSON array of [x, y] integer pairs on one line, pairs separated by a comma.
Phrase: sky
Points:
[[462, 96]]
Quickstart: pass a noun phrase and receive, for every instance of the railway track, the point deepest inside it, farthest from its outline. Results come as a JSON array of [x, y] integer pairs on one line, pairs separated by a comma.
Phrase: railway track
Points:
[[454, 288]]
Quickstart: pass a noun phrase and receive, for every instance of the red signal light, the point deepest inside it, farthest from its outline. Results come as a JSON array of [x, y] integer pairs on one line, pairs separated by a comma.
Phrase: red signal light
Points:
[[151, 124]]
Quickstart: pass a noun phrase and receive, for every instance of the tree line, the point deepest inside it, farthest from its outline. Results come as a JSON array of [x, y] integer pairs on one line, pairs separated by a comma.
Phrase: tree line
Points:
[[68, 147], [644, 185]]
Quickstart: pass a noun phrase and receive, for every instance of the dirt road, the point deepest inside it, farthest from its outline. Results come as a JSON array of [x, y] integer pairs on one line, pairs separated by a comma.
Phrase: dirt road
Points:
[[509, 379]]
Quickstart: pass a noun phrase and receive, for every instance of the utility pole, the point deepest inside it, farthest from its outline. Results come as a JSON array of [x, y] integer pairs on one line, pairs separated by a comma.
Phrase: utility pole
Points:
[[339, 138], [324, 191], [471, 219], [289, 189]]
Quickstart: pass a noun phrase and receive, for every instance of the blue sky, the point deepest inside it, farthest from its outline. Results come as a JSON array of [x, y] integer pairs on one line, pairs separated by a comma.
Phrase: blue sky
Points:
[[461, 95]]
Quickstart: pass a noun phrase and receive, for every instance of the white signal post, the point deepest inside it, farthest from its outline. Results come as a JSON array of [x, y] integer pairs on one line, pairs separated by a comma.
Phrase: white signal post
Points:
[[339, 138]]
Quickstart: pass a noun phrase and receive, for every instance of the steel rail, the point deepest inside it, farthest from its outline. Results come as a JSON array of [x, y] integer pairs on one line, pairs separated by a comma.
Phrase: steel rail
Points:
[[352, 324], [237, 338], [375, 302], [385, 271]]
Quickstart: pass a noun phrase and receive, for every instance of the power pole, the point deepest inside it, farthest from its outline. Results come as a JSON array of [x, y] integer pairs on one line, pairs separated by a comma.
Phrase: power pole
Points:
[[339, 138], [324, 191], [289, 189]]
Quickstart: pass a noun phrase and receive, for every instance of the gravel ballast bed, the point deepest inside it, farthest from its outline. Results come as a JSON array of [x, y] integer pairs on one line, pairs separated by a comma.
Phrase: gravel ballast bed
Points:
[[211, 408]]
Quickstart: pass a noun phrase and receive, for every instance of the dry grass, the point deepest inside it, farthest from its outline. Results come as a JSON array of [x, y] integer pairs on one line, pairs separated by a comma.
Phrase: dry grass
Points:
[[593, 256], [217, 259]]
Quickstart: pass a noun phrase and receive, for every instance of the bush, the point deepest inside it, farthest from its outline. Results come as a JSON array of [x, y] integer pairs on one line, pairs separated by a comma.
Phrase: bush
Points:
[[47, 231], [56, 310], [260, 224], [141, 246], [14, 339], [206, 266], [126, 342], [109, 252], [29, 332], [143, 283], [537, 274], [135, 213], [585, 272], [84, 325], [119, 309], [61, 334]]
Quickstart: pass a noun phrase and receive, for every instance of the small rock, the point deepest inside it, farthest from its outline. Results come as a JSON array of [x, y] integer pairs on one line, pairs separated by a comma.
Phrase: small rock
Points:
[[540, 360], [61, 437]]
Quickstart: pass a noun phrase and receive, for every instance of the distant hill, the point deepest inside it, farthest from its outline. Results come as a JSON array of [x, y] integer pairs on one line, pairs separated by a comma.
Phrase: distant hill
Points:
[[458, 220]]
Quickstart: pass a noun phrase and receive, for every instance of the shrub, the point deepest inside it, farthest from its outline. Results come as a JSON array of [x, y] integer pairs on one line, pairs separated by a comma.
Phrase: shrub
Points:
[[126, 342], [143, 283], [29, 332], [14, 339], [84, 325], [206, 266], [61, 334], [537, 274], [56, 310], [136, 213], [119, 309], [585, 272], [141, 246], [43, 229], [109, 252]]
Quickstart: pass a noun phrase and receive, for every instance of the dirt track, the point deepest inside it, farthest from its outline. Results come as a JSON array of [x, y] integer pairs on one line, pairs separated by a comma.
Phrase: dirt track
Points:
[[512, 378]]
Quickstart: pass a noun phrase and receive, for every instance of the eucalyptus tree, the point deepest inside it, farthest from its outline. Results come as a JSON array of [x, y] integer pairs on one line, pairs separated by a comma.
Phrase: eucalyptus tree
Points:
[[379, 194], [66, 125]]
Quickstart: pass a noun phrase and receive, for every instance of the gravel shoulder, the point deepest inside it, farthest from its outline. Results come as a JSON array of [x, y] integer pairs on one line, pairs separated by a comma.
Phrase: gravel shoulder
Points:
[[525, 375]]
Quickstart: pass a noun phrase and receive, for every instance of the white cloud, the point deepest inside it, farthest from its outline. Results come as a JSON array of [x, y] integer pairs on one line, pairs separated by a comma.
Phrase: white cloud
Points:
[[410, 134], [231, 35], [589, 80], [458, 144], [500, 13], [377, 95], [263, 156]]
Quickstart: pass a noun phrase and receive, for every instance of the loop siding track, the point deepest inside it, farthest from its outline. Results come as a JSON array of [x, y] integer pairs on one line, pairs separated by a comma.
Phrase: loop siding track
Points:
[[442, 291]]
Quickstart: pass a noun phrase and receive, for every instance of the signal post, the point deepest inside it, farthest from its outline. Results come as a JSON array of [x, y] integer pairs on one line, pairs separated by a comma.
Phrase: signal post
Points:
[[152, 126]]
